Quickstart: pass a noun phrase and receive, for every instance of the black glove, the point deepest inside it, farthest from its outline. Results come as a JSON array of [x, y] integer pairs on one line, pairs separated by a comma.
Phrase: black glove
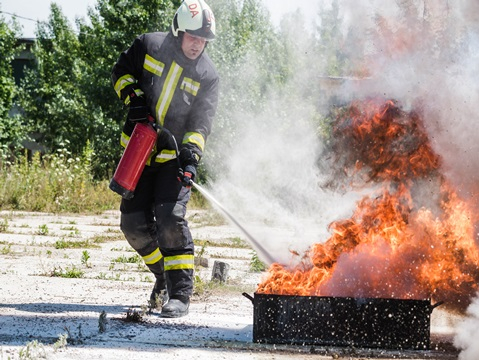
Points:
[[188, 162], [187, 176], [138, 111], [188, 157]]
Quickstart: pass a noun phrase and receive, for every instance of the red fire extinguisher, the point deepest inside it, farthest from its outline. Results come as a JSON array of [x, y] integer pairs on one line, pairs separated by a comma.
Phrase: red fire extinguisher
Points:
[[133, 160]]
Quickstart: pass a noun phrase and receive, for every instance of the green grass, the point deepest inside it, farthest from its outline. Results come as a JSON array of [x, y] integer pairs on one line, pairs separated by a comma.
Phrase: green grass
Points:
[[6, 250], [133, 259], [54, 183], [43, 230], [92, 242], [232, 243], [3, 225], [256, 265], [71, 272], [74, 244], [60, 183]]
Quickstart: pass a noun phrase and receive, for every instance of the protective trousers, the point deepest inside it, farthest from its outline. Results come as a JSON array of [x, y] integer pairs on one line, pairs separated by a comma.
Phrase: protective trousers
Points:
[[154, 224]]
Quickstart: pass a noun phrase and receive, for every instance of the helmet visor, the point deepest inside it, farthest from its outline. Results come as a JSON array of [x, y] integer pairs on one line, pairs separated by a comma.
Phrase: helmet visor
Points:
[[197, 37]]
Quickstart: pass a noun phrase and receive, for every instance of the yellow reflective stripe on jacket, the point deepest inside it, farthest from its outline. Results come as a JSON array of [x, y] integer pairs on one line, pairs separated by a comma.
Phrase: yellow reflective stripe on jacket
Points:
[[154, 66], [123, 82], [167, 92], [152, 258], [138, 92], [179, 262], [191, 86], [124, 139], [194, 138], [165, 155]]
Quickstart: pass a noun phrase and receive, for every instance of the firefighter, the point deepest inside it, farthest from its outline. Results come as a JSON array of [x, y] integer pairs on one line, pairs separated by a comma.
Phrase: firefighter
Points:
[[169, 77]]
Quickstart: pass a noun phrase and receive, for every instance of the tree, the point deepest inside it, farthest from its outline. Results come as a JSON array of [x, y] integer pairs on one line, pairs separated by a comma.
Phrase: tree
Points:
[[250, 58], [51, 97], [113, 27], [11, 130], [69, 95]]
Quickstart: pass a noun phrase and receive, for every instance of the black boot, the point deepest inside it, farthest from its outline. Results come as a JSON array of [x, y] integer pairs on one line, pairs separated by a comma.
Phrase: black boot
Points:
[[159, 296], [176, 307]]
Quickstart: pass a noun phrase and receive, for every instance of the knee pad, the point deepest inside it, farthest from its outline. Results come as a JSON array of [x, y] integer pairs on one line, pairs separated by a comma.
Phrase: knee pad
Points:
[[173, 231], [138, 230]]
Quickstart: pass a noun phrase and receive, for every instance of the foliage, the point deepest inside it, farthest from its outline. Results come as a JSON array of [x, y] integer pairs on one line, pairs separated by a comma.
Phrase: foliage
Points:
[[256, 265], [53, 103], [250, 60], [11, 130], [113, 27], [32, 350], [54, 183], [69, 102], [71, 272]]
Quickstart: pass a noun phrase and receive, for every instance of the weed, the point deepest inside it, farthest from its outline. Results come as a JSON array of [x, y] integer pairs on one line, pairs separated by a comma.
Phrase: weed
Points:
[[72, 244], [101, 276], [136, 316], [203, 288], [100, 239], [54, 183], [147, 278], [200, 255], [236, 243], [239, 243], [73, 272], [74, 340], [142, 267], [73, 229], [85, 257], [61, 343], [3, 225], [70, 272], [102, 322], [6, 250], [256, 265], [32, 350], [123, 248], [134, 259], [42, 230], [220, 255]]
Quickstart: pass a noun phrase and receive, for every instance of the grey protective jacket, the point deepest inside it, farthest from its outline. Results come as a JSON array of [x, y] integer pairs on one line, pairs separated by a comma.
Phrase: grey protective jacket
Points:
[[182, 94]]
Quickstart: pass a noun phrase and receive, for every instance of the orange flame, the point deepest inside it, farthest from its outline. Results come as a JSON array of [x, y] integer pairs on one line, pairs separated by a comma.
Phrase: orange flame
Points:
[[403, 243]]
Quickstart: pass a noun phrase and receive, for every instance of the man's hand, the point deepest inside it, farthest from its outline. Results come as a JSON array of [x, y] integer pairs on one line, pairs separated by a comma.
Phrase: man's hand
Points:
[[188, 162], [187, 176], [188, 157], [138, 111]]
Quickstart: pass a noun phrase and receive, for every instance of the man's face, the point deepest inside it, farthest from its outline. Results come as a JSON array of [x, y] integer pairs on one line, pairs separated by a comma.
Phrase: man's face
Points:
[[192, 46]]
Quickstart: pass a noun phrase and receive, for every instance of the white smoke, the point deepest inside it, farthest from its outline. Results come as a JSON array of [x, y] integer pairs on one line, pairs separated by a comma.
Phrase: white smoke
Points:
[[467, 334], [423, 53], [272, 183]]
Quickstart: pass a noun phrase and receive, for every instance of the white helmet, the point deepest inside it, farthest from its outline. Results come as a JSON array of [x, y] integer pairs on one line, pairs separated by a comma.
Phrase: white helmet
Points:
[[194, 17]]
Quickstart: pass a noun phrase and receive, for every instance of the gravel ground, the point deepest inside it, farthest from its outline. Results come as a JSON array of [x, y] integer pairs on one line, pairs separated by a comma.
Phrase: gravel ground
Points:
[[47, 312]]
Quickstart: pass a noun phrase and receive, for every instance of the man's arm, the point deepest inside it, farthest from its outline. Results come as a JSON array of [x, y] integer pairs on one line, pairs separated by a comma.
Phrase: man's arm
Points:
[[201, 119], [127, 70]]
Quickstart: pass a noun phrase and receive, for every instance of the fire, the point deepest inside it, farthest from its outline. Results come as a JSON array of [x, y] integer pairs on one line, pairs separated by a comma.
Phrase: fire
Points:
[[413, 239]]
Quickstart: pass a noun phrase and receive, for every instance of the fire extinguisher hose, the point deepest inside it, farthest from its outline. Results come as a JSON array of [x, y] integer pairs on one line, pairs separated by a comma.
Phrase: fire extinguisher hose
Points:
[[262, 253]]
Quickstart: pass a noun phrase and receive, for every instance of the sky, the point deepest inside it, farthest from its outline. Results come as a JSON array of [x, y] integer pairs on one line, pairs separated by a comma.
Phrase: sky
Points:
[[40, 9]]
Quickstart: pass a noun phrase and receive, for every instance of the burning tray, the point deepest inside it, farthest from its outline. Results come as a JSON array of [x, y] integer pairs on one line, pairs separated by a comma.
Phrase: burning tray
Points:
[[342, 321]]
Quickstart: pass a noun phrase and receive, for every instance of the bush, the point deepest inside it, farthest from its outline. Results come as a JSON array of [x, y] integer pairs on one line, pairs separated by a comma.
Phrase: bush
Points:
[[54, 183]]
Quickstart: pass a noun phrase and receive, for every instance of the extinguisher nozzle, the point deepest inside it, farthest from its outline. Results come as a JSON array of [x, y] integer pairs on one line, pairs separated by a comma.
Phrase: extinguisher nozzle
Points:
[[125, 193]]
